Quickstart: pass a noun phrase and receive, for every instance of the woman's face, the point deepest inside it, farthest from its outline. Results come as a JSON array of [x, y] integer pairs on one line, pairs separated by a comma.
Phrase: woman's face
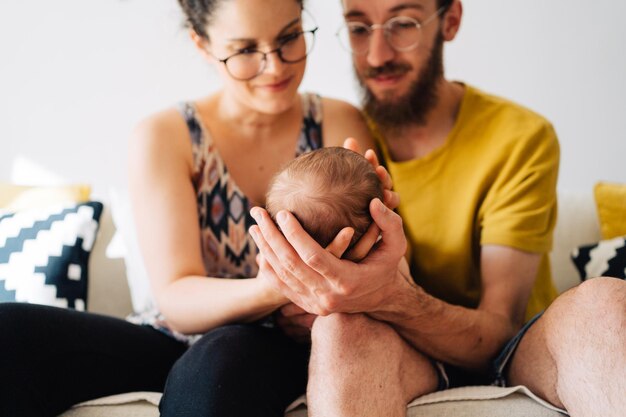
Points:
[[263, 25]]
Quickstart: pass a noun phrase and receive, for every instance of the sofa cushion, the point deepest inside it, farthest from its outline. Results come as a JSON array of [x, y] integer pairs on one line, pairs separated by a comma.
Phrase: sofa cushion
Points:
[[44, 254], [605, 258], [577, 224], [611, 202], [22, 197], [487, 401]]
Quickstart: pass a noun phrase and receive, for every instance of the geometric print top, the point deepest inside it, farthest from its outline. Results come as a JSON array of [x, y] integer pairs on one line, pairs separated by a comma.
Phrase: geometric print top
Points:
[[228, 250]]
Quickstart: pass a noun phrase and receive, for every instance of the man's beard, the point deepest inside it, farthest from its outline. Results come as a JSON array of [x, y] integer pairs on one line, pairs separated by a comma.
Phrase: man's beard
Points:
[[412, 108]]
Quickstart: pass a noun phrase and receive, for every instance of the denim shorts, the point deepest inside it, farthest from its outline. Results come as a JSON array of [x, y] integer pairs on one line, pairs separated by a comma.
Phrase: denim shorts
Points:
[[451, 376]]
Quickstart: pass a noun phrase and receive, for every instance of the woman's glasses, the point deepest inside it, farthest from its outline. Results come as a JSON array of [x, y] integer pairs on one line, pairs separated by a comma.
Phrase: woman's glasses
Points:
[[249, 63]]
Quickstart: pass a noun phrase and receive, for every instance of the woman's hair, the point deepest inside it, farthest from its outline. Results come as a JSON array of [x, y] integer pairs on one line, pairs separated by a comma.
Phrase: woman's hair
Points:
[[199, 13], [444, 3], [326, 190]]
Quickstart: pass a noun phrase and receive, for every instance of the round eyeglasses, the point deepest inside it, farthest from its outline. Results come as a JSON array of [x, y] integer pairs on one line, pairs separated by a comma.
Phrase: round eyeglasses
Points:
[[246, 64], [403, 33]]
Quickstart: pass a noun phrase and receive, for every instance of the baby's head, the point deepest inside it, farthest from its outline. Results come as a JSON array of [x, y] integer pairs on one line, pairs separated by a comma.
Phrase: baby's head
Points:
[[326, 190]]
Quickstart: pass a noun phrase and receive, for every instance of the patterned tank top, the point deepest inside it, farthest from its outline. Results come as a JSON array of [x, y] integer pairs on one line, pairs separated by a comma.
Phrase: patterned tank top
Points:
[[228, 250]]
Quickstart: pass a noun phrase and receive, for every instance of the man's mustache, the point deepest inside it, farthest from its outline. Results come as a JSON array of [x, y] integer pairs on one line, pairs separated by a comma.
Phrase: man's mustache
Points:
[[390, 69]]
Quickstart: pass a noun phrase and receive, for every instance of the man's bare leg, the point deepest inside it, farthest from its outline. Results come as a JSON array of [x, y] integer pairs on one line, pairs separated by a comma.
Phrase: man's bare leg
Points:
[[361, 367], [575, 355]]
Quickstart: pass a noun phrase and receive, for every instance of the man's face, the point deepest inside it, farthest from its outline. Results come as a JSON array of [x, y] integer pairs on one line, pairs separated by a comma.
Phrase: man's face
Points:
[[399, 86]]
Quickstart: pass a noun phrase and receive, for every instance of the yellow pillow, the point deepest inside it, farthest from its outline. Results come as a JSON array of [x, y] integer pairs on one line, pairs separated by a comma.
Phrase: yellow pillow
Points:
[[611, 204], [19, 197]]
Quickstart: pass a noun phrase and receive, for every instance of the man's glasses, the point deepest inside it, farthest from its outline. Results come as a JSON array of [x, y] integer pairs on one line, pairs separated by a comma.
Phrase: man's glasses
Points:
[[248, 63], [403, 33]]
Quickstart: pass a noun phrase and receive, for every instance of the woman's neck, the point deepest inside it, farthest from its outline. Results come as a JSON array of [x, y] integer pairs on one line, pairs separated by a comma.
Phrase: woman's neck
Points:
[[246, 118]]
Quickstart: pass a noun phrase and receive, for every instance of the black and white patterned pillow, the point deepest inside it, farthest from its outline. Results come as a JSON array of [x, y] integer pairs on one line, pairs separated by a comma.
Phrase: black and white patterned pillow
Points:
[[606, 258], [44, 254]]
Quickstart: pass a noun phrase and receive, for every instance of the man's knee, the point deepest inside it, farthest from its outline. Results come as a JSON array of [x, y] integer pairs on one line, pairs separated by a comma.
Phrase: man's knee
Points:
[[597, 306], [602, 301], [345, 345], [350, 330]]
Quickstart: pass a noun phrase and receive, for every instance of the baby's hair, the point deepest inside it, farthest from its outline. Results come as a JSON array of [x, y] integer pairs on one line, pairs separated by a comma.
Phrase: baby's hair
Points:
[[326, 190]]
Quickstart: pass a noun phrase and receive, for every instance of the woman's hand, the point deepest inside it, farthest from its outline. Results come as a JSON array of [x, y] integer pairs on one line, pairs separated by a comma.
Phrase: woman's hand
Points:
[[295, 322], [273, 292]]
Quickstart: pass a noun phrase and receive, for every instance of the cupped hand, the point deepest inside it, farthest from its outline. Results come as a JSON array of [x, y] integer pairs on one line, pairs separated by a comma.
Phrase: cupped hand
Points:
[[316, 280]]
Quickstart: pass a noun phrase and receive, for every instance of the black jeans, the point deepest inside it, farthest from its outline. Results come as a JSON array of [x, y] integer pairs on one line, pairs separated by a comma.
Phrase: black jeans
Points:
[[237, 371], [51, 359]]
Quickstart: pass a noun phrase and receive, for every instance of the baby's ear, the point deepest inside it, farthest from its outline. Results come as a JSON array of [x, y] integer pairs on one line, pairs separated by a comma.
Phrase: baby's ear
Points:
[[341, 242]]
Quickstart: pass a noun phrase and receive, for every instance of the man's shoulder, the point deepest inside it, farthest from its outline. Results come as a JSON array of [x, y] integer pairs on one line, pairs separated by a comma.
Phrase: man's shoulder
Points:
[[504, 117]]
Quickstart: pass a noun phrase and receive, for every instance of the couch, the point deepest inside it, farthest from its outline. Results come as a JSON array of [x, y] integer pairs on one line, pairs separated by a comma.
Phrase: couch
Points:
[[109, 294]]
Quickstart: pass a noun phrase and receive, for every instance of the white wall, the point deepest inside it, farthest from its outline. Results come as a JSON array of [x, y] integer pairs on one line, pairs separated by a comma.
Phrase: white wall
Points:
[[76, 75]]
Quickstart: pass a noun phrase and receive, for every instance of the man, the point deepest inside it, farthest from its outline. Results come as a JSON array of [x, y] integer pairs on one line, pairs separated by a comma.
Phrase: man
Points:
[[476, 177]]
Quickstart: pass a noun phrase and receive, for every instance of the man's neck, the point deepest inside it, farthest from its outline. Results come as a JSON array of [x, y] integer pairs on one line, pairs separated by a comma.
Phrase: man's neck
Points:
[[416, 141]]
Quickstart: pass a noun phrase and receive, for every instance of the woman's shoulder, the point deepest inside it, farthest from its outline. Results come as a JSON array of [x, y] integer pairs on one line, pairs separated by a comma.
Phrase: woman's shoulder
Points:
[[334, 106], [160, 136], [160, 124], [177, 126], [343, 120]]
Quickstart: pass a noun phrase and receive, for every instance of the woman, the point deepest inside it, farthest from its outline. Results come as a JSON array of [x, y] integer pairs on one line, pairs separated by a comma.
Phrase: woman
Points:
[[195, 172], [216, 162]]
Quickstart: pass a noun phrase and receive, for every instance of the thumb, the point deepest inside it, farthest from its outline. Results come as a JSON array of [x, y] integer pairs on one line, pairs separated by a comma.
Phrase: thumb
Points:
[[390, 224]]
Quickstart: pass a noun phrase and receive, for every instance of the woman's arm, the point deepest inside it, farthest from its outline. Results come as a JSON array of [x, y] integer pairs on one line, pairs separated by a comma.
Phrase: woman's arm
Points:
[[165, 212]]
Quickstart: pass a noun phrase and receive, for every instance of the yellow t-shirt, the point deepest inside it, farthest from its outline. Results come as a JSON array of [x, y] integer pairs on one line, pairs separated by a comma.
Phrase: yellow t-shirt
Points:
[[492, 182]]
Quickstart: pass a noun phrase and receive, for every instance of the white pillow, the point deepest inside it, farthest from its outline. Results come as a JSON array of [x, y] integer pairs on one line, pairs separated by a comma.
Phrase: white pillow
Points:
[[44, 254], [124, 244]]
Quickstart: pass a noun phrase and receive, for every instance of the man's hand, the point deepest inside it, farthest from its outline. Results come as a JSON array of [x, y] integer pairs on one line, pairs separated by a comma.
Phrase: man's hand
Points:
[[390, 198], [316, 280]]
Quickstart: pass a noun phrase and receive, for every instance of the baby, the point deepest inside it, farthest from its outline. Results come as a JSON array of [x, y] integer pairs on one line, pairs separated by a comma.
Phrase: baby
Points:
[[326, 190]]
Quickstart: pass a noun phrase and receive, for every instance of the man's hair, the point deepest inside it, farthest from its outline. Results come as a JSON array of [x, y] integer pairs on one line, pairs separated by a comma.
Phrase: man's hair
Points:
[[326, 190]]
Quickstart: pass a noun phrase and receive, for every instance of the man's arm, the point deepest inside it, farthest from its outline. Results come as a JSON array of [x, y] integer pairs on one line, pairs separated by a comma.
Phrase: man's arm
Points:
[[321, 284], [461, 336]]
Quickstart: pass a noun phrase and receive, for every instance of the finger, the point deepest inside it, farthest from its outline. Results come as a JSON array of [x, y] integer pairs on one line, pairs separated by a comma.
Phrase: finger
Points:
[[341, 242], [267, 274], [351, 144], [302, 320], [362, 247], [391, 199], [384, 176], [390, 225], [274, 244], [371, 156], [291, 309], [295, 286], [307, 320], [320, 264]]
